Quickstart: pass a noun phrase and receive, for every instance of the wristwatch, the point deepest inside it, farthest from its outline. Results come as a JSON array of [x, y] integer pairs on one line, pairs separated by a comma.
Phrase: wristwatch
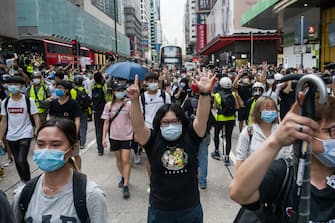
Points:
[[205, 93]]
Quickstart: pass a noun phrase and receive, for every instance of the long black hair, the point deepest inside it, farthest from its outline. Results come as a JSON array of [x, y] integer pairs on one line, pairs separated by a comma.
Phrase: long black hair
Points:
[[180, 114], [66, 126]]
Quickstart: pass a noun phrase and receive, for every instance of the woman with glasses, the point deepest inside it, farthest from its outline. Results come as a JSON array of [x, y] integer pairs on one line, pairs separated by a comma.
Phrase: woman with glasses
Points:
[[264, 123], [258, 180], [172, 148]]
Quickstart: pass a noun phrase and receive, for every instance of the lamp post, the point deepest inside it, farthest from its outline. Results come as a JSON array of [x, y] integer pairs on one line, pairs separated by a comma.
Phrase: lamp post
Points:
[[115, 25], [251, 49]]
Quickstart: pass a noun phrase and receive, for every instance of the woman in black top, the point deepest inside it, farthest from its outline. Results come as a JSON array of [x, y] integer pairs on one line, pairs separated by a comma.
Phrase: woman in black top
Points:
[[259, 180], [172, 148]]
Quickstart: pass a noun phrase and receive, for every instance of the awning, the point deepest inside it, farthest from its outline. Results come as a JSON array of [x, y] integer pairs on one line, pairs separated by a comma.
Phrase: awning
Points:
[[222, 41], [267, 20]]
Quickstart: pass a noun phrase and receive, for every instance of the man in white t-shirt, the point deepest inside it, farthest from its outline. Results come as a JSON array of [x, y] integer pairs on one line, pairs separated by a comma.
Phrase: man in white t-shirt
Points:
[[150, 101], [18, 116]]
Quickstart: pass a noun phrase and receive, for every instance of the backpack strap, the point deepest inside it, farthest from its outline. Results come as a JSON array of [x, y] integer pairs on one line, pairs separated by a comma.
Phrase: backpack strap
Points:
[[26, 194], [79, 196], [163, 95], [143, 104], [29, 111]]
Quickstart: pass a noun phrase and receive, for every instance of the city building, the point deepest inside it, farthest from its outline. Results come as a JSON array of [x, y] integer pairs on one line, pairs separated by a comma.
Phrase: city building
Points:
[[133, 28], [146, 41], [228, 43], [155, 30], [307, 27], [8, 27]]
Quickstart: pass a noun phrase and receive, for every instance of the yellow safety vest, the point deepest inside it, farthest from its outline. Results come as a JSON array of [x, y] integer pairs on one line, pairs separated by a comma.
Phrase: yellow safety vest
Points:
[[220, 117], [41, 96]]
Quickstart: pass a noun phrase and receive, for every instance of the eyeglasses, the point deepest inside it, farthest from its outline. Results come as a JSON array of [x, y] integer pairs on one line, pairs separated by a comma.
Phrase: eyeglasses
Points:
[[165, 123], [330, 130]]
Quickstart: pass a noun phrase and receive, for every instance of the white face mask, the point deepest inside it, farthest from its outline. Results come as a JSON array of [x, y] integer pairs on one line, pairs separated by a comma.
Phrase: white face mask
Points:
[[270, 81], [153, 86], [36, 81]]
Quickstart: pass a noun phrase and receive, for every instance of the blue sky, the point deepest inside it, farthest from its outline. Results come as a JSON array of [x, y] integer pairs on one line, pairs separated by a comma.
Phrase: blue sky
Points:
[[172, 20]]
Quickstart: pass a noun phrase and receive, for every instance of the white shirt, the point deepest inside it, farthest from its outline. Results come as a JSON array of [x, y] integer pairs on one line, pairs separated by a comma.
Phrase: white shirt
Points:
[[245, 148], [152, 103], [19, 124]]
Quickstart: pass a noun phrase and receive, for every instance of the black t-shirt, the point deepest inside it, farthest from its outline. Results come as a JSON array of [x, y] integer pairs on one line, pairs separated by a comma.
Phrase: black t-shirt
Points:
[[98, 98], [174, 165], [322, 202], [245, 92], [286, 100], [70, 110]]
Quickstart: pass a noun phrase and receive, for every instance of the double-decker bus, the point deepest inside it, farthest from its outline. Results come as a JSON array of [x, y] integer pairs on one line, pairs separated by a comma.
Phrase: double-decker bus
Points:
[[54, 52], [171, 56]]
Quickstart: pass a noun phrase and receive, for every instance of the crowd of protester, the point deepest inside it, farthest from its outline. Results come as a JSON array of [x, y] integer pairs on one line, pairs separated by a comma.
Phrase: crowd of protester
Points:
[[172, 115]]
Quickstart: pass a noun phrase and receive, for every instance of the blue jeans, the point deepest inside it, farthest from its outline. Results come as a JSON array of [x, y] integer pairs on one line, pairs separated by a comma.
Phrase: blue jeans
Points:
[[98, 123], [203, 159], [83, 128], [191, 215]]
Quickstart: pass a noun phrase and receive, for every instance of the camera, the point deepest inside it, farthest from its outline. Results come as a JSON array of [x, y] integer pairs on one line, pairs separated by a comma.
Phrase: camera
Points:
[[328, 78]]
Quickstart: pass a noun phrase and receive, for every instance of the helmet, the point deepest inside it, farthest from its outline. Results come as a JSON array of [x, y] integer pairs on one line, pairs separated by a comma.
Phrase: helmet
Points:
[[226, 83], [37, 74], [78, 80], [258, 89]]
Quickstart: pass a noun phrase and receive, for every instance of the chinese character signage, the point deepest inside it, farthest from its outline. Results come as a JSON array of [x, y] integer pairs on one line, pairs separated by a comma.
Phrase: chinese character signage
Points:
[[204, 4], [201, 37]]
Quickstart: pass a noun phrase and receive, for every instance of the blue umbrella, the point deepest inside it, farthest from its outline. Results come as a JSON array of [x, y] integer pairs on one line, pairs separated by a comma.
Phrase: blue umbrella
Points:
[[127, 70]]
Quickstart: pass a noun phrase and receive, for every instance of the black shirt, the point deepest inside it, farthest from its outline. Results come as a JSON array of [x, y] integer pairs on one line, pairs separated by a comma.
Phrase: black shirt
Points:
[[6, 213], [174, 164], [70, 110], [322, 202], [98, 98], [245, 92]]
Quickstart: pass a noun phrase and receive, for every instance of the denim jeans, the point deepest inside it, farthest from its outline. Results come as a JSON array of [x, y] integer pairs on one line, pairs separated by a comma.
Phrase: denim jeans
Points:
[[203, 159], [191, 215], [98, 123], [83, 128], [20, 149]]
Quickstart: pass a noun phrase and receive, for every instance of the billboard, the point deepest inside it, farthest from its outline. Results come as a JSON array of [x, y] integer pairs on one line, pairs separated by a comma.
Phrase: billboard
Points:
[[204, 5], [201, 36]]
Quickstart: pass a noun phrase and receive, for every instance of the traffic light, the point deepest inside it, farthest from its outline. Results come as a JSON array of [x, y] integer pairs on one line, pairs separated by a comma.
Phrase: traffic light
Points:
[[75, 47]]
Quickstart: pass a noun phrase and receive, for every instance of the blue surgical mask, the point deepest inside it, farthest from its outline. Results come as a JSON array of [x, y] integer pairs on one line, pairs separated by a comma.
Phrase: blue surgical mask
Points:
[[328, 156], [153, 86], [120, 94], [49, 160], [59, 92], [182, 84], [269, 116], [172, 131], [14, 89]]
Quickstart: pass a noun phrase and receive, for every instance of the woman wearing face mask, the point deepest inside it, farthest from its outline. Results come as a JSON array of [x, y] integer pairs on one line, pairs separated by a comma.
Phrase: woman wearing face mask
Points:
[[172, 148], [117, 125], [265, 119], [53, 194], [264, 177], [271, 88]]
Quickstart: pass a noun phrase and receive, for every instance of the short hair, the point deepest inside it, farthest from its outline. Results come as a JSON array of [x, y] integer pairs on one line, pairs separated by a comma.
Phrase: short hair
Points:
[[325, 113], [66, 126], [151, 75], [60, 74], [257, 112], [65, 84], [16, 79], [175, 108]]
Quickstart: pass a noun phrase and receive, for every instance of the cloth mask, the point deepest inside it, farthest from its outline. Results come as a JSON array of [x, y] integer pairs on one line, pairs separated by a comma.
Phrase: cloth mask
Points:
[[120, 94], [269, 116], [59, 92], [49, 160], [14, 89], [171, 132], [153, 86], [36, 81], [328, 156], [270, 81]]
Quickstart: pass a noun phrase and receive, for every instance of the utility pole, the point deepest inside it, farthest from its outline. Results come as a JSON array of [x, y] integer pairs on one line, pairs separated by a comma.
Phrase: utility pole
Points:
[[251, 49], [115, 25]]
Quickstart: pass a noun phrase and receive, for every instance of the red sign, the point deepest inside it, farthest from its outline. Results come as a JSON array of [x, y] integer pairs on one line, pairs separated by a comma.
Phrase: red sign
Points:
[[201, 37]]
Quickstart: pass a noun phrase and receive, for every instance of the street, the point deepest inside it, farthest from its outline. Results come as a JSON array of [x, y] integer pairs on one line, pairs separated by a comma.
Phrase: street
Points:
[[216, 203]]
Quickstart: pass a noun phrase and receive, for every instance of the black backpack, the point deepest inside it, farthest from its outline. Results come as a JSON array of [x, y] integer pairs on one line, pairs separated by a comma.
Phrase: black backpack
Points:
[[270, 212], [227, 107], [162, 95], [79, 196], [83, 99]]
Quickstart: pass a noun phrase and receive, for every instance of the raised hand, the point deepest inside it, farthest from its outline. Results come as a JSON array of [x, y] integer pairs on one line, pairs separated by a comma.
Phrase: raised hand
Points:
[[133, 90], [205, 84]]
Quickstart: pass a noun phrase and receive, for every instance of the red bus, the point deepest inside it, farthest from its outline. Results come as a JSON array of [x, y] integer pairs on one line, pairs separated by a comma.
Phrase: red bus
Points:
[[54, 52]]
